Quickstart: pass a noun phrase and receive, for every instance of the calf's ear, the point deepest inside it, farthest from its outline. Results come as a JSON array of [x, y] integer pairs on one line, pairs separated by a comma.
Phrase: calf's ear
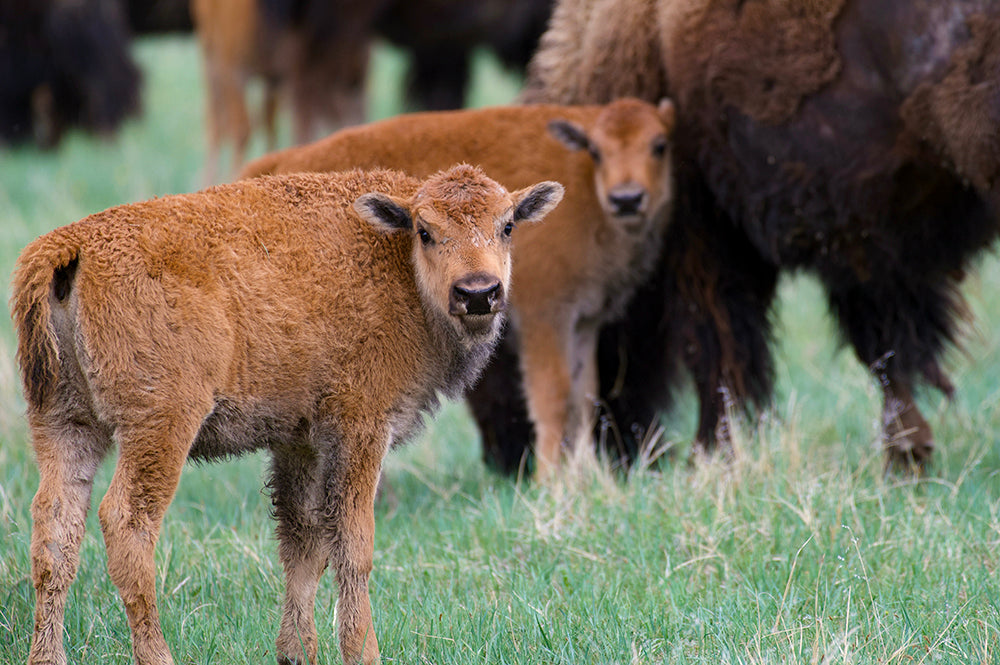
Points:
[[384, 212], [531, 204], [668, 114], [569, 134]]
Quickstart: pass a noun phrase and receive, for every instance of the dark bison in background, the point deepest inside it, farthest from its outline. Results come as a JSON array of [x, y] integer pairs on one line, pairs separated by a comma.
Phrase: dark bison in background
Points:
[[64, 64], [158, 16], [442, 35], [855, 139]]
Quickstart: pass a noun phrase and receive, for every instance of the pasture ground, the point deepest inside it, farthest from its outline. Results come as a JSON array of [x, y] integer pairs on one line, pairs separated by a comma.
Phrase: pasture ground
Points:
[[798, 550]]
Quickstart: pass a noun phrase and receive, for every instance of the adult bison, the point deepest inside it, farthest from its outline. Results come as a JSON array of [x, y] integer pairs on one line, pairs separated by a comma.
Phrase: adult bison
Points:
[[855, 139]]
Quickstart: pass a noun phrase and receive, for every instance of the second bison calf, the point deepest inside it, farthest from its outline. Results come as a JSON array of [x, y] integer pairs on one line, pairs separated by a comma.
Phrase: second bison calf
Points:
[[316, 316], [573, 275]]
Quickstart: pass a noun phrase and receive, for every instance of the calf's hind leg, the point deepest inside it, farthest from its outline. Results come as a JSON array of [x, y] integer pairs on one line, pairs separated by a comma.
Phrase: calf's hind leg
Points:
[[152, 453], [68, 457]]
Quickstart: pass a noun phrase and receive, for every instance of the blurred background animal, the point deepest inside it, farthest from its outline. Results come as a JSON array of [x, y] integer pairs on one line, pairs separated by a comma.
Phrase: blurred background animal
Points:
[[66, 64], [158, 16], [443, 35], [315, 53], [62, 65]]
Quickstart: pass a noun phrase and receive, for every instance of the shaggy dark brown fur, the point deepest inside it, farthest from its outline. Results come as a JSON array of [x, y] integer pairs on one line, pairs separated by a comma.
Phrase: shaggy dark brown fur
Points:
[[589, 36], [856, 139]]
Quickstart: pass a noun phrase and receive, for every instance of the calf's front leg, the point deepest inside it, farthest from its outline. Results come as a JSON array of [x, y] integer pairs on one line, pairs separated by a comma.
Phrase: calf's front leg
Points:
[[548, 385], [350, 528], [586, 386]]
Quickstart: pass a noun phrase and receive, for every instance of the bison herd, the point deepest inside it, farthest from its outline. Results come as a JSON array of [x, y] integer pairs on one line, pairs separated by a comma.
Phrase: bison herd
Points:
[[685, 154]]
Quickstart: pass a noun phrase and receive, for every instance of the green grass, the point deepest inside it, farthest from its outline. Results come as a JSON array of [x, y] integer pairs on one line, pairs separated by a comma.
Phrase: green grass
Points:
[[796, 551]]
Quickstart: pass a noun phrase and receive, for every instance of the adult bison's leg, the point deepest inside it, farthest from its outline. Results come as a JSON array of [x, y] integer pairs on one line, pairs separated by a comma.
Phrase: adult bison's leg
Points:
[[898, 326], [439, 77], [637, 363], [708, 305], [723, 304], [68, 456], [351, 477], [499, 408], [152, 452], [297, 494], [909, 441]]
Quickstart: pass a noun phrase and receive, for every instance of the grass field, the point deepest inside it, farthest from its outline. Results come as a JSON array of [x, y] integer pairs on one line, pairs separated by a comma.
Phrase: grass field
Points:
[[798, 550]]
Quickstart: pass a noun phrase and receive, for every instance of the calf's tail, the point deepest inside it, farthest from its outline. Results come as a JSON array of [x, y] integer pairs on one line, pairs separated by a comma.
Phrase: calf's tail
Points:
[[44, 271]]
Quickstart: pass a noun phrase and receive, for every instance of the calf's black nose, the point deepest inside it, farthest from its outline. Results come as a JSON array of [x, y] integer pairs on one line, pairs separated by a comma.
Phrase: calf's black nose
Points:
[[475, 296], [626, 201]]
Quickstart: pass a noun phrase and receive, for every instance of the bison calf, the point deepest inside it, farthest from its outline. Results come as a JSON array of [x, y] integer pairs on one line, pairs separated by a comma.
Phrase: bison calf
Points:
[[316, 316], [574, 273]]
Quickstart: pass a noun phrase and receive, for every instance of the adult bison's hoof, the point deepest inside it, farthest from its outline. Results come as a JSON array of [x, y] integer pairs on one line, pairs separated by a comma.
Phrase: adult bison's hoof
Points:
[[701, 452], [717, 446], [909, 442]]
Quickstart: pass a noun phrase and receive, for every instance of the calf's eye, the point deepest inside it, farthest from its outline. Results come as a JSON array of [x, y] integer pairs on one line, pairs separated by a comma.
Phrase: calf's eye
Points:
[[425, 237], [508, 229], [659, 148]]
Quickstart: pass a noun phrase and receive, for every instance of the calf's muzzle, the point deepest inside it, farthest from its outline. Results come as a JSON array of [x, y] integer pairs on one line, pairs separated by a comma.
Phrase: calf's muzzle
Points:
[[476, 295], [627, 199]]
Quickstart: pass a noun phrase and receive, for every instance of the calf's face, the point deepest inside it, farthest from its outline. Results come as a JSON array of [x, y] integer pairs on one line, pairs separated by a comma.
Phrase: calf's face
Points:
[[629, 144], [461, 222]]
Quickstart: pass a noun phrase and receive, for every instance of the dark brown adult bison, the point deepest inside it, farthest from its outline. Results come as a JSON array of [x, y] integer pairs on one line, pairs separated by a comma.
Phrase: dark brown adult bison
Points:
[[62, 65], [442, 36], [855, 139]]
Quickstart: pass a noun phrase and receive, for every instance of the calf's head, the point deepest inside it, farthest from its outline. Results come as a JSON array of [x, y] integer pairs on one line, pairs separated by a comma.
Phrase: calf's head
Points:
[[629, 143], [461, 222]]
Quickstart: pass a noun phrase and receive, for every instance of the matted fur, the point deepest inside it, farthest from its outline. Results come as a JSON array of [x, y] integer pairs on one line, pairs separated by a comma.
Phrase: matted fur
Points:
[[761, 57], [572, 274], [941, 112], [590, 36], [303, 314]]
